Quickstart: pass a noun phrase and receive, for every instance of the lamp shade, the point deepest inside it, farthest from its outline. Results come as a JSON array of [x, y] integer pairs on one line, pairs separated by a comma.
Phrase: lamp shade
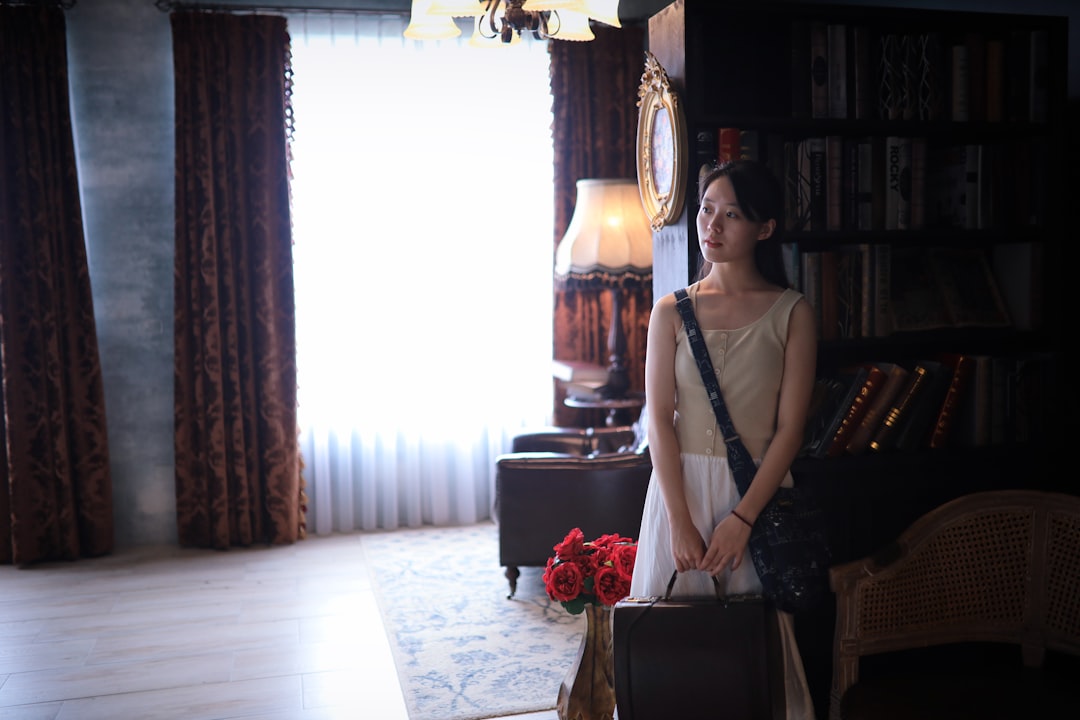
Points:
[[609, 240]]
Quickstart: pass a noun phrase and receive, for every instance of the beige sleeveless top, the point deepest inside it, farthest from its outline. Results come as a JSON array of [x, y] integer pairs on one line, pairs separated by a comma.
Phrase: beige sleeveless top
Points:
[[749, 363]]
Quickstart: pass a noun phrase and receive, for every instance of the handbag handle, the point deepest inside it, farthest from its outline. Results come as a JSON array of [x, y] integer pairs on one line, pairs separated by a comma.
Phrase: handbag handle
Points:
[[674, 575], [742, 464]]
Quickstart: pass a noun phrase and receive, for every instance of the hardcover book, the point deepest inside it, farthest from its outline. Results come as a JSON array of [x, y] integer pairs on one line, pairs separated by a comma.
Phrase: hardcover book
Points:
[[963, 366], [838, 75], [850, 381], [918, 422], [887, 434], [860, 405], [819, 69], [895, 377]]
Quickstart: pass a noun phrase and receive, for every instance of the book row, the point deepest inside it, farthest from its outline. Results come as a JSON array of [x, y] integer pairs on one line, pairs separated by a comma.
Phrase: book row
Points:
[[874, 290], [953, 400], [853, 71], [895, 182]]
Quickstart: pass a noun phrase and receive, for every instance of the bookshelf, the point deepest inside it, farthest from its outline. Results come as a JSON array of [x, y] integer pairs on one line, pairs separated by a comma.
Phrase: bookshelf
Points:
[[922, 151]]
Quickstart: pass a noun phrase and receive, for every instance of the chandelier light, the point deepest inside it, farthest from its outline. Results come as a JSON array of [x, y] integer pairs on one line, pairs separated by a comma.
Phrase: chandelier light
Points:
[[498, 22]]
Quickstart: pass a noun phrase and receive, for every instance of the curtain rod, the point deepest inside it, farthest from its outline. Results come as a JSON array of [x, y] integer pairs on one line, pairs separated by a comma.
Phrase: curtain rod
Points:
[[170, 5]]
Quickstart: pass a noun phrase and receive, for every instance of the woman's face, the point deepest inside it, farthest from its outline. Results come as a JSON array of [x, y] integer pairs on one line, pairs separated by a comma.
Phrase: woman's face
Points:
[[724, 231]]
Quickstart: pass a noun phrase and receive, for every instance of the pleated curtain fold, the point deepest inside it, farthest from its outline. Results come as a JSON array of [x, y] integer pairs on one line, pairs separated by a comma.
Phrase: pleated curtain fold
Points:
[[238, 467], [55, 482]]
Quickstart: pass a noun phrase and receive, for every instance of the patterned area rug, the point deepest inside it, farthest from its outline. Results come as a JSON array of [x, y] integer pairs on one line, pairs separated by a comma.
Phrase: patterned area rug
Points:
[[463, 650]]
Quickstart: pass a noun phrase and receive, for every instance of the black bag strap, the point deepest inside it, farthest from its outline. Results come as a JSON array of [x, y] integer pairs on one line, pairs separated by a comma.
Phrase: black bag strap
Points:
[[735, 447]]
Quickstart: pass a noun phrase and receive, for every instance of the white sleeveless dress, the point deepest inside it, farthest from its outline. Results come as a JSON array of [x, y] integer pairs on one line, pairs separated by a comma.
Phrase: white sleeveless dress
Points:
[[749, 376]]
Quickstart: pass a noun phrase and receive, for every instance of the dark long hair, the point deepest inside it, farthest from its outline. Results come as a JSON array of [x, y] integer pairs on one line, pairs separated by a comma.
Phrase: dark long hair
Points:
[[761, 198]]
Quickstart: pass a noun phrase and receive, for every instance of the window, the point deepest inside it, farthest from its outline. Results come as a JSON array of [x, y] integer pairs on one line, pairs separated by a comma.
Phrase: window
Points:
[[422, 212]]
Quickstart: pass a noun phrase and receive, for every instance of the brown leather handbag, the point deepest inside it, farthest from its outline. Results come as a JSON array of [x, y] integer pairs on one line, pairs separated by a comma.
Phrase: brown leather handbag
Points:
[[697, 658]]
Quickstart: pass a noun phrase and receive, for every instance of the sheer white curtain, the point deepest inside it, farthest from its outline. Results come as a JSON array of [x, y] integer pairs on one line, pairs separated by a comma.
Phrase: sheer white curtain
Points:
[[422, 201]]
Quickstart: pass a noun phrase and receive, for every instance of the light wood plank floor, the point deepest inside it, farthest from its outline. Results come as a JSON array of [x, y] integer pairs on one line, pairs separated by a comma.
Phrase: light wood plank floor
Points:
[[284, 633]]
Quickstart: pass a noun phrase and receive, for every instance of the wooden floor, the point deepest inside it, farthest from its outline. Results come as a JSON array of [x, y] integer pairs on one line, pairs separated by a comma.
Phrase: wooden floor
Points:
[[287, 633]]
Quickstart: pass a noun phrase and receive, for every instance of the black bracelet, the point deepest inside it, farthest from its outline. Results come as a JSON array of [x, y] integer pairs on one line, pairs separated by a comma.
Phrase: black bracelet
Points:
[[745, 521]]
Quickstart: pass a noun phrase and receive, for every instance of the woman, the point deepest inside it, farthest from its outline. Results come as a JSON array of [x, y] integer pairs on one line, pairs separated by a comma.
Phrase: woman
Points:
[[763, 343]]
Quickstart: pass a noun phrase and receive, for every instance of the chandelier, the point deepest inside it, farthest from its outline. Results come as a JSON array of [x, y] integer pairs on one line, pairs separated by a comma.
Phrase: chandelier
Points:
[[497, 22]]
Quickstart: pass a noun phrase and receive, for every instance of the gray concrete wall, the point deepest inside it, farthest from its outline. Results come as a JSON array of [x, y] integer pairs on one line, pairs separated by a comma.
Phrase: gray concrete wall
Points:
[[120, 67], [120, 72]]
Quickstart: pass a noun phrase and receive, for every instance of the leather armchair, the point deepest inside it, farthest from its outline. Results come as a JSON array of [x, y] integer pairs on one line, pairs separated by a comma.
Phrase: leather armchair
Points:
[[560, 478]]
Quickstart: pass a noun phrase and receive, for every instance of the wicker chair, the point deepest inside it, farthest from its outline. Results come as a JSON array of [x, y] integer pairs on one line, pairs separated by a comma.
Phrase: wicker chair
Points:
[[973, 612]]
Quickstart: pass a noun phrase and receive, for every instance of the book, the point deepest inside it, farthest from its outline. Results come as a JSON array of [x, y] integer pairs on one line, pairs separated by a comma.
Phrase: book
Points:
[[915, 299], [917, 200], [890, 77], [584, 389], [812, 172], [860, 404], [918, 422], [946, 186], [705, 153], [836, 38], [943, 287], [819, 69], [883, 321], [894, 166], [968, 287], [931, 91], [849, 381], [578, 371], [975, 42], [895, 377], [834, 182], [823, 400], [958, 87], [1018, 268], [995, 80], [886, 435], [904, 190], [864, 197], [728, 144], [800, 68], [811, 284], [1038, 82], [864, 256], [972, 425], [829, 271], [796, 188], [862, 70], [963, 366], [1017, 76]]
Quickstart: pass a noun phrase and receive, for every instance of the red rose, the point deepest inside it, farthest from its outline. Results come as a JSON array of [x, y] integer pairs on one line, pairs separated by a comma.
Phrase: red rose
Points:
[[587, 564], [609, 540], [565, 582], [623, 557], [610, 586], [572, 545]]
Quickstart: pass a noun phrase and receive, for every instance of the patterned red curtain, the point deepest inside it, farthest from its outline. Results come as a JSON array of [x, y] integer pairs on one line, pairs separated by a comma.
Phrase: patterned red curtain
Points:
[[238, 477], [55, 482], [594, 101]]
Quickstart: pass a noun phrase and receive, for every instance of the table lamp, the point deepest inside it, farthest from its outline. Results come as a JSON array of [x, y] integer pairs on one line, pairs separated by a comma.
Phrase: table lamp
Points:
[[608, 244]]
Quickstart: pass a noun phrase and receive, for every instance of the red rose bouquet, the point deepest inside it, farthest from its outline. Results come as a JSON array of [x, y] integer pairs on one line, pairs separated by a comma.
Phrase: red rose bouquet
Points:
[[596, 572]]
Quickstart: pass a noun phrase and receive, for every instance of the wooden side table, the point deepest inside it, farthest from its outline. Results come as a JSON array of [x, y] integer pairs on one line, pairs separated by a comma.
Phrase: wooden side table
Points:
[[618, 408]]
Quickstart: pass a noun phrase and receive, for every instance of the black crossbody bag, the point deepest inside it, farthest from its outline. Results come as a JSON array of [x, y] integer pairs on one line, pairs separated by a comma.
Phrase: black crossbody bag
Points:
[[788, 542]]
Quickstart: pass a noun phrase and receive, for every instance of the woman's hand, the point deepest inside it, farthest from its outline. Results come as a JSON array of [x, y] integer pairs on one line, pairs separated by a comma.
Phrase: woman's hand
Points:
[[726, 546], [687, 546]]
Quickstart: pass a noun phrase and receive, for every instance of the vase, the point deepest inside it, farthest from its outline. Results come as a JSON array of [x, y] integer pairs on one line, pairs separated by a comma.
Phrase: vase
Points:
[[588, 690]]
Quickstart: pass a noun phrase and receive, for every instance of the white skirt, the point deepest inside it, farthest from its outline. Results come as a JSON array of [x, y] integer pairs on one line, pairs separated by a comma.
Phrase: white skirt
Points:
[[711, 495]]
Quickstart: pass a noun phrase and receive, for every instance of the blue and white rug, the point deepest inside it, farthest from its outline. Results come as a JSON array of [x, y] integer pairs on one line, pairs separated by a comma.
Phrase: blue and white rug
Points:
[[463, 650]]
